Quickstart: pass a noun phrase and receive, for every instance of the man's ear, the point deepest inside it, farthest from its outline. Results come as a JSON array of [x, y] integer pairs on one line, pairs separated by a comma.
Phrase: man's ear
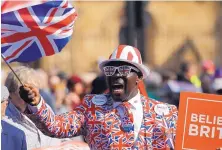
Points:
[[138, 79], [140, 75]]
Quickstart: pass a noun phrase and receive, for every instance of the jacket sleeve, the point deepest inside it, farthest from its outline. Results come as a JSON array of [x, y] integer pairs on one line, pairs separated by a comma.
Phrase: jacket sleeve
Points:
[[62, 126], [173, 121], [164, 131], [170, 130]]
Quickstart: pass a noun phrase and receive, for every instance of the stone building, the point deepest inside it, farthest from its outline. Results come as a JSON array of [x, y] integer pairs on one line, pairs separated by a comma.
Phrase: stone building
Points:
[[175, 31], [185, 31]]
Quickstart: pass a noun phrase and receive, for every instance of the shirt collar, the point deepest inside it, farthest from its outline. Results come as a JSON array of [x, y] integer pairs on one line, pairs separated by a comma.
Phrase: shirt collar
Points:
[[13, 111], [133, 101]]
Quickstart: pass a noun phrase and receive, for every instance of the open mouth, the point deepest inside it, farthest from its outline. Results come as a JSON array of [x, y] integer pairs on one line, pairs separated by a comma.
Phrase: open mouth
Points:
[[117, 88]]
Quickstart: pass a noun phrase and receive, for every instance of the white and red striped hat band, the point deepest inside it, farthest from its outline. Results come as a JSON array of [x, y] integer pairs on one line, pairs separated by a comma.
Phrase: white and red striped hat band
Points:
[[129, 54]]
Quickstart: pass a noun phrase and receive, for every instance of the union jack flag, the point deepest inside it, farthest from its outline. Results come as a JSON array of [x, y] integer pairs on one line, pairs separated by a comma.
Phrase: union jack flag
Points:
[[9, 5], [36, 31]]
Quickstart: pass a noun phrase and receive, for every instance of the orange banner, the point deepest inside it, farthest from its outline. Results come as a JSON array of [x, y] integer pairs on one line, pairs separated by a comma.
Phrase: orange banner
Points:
[[200, 122]]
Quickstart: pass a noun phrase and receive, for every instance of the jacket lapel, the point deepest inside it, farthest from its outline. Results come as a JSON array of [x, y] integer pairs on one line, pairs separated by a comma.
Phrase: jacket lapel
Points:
[[144, 140]]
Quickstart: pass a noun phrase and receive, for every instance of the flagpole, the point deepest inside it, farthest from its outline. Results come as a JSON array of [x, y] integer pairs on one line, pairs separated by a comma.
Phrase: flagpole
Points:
[[12, 70]]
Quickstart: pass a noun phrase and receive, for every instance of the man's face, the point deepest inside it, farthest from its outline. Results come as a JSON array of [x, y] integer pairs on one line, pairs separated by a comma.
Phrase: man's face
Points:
[[121, 87]]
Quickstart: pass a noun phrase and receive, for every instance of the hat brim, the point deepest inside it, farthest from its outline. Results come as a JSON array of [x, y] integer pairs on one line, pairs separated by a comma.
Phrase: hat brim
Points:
[[144, 69]]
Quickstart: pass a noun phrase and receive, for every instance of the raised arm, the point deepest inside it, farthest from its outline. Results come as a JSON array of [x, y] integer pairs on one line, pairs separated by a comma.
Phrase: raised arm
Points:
[[62, 126]]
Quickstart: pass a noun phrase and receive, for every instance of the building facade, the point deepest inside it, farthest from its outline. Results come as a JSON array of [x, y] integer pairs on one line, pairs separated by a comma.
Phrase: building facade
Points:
[[175, 31]]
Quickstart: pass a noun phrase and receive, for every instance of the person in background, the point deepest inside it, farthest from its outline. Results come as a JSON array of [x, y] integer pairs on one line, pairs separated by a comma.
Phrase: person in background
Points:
[[11, 134], [76, 90], [121, 119], [66, 106], [57, 90], [63, 81], [18, 117], [60, 89], [187, 78], [170, 89], [45, 90], [153, 83], [99, 85], [217, 83], [87, 79], [206, 76], [54, 80]]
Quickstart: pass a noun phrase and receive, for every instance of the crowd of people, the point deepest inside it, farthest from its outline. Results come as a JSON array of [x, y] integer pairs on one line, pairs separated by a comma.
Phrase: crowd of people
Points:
[[64, 93], [166, 85]]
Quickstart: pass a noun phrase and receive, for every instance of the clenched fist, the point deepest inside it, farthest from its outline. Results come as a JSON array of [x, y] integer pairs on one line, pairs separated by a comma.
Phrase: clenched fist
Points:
[[30, 94]]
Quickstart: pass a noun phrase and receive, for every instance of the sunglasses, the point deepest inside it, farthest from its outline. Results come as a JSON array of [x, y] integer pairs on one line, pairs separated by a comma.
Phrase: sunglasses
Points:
[[123, 70]]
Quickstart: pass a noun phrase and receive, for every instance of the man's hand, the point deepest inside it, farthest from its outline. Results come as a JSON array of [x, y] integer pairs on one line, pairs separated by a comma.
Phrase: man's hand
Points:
[[30, 94]]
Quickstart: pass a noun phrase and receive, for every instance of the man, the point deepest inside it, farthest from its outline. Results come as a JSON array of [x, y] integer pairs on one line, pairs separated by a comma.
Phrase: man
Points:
[[17, 136], [188, 78], [206, 77], [121, 119], [18, 131]]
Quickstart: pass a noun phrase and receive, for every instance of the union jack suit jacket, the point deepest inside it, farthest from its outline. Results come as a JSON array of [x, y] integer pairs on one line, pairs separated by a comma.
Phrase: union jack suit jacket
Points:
[[101, 124]]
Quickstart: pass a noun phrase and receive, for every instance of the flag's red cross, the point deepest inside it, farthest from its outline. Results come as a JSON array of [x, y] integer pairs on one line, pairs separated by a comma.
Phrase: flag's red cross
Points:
[[36, 31]]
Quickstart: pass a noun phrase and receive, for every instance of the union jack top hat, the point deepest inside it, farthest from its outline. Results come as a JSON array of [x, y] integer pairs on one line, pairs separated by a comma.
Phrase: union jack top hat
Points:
[[129, 54]]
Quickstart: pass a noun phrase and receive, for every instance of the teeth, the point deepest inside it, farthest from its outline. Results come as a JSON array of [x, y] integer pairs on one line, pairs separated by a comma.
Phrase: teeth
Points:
[[117, 90]]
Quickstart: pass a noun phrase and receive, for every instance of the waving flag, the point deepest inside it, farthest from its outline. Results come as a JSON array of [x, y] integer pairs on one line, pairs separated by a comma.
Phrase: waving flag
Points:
[[9, 5], [36, 31]]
